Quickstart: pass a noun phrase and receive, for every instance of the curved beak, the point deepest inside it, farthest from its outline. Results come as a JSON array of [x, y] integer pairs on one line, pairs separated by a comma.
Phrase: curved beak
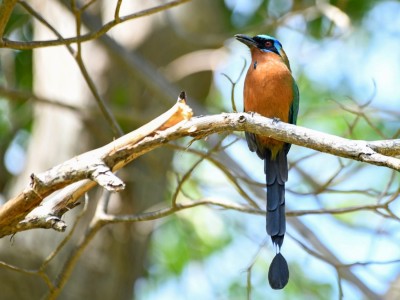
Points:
[[245, 39]]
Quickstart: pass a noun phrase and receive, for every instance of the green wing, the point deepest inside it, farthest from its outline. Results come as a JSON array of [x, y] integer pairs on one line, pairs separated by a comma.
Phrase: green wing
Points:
[[294, 108]]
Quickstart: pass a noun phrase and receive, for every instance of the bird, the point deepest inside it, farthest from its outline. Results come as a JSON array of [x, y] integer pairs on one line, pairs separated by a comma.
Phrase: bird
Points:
[[271, 91]]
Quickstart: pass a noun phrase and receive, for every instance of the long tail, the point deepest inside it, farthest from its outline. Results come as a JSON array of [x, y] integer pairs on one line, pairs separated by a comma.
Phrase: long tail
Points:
[[276, 171]]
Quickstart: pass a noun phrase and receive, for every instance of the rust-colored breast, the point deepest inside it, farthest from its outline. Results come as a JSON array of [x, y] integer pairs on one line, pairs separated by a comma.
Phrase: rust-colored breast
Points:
[[268, 90]]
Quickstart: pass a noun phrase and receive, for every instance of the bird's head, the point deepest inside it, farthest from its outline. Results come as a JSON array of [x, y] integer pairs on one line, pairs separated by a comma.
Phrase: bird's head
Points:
[[264, 43]]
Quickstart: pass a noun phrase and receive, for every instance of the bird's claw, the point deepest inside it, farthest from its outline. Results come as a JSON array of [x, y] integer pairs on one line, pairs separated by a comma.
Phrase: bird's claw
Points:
[[275, 120]]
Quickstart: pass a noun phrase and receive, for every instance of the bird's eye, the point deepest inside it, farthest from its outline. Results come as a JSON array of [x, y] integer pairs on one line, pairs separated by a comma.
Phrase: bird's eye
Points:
[[269, 44]]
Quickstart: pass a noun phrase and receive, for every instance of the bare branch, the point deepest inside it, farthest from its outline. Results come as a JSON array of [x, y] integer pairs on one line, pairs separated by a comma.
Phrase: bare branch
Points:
[[157, 214], [17, 95], [233, 83], [87, 166], [117, 8], [233, 178], [322, 252], [105, 110], [72, 259], [5, 43], [386, 147], [117, 154]]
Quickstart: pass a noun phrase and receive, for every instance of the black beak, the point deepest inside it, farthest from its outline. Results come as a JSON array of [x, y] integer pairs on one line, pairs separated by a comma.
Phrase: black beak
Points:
[[247, 40]]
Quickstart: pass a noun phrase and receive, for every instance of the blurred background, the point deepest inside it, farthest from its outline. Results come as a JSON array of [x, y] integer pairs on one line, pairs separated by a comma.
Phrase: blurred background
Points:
[[345, 56]]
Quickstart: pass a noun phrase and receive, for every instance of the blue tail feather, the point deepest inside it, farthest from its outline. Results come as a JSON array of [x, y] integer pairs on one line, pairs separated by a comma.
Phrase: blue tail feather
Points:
[[276, 173], [276, 170]]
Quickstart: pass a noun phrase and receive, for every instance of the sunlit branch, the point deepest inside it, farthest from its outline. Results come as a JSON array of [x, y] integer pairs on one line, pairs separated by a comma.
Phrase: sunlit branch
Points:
[[97, 163]]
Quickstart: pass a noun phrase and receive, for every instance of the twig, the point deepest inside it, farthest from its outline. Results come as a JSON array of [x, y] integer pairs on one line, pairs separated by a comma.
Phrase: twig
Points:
[[72, 259], [86, 6], [116, 13], [53, 254], [42, 20], [90, 36], [163, 212], [188, 173], [184, 178], [250, 268], [233, 83], [17, 95], [78, 58], [228, 173], [323, 253]]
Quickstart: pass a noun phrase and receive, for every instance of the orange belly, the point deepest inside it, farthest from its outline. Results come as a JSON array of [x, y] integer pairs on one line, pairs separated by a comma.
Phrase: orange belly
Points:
[[268, 91]]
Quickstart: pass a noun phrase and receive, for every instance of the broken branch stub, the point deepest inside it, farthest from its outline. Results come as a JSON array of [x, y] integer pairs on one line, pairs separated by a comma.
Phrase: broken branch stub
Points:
[[97, 165]]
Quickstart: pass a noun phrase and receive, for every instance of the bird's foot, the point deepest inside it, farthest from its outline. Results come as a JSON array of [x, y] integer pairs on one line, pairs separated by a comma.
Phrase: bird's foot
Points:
[[252, 113], [275, 120]]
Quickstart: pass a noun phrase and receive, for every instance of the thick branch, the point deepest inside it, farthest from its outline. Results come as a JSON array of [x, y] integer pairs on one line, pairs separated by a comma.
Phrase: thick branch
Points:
[[388, 147], [125, 149], [95, 165], [323, 142]]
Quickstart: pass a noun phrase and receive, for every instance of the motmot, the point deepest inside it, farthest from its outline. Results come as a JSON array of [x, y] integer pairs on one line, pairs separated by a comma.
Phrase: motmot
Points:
[[271, 91]]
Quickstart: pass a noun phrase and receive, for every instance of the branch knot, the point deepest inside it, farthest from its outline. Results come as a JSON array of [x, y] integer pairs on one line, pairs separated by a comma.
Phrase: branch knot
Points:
[[242, 118]]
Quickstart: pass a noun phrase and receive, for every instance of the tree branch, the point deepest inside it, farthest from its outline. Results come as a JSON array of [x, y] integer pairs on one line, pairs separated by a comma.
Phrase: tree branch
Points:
[[19, 45], [17, 95], [77, 56], [98, 164], [386, 147]]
